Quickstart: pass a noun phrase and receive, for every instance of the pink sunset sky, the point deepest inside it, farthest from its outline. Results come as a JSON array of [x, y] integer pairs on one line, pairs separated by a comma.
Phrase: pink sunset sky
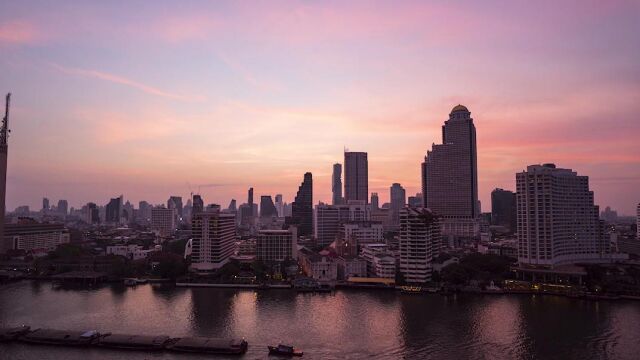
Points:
[[150, 98]]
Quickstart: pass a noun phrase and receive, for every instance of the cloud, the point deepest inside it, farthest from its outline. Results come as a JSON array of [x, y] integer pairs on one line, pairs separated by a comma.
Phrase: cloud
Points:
[[18, 32], [127, 82]]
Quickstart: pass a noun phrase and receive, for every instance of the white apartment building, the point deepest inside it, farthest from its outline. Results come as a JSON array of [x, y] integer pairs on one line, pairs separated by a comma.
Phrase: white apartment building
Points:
[[29, 236], [213, 239], [557, 220], [420, 242]]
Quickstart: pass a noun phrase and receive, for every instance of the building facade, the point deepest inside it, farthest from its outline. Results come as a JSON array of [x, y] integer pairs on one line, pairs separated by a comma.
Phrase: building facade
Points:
[[503, 208], [302, 207], [450, 175], [420, 242], [213, 239], [29, 235], [356, 177], [336, 184], [277, 245], [330, 218], [163, 220], [558, 222], [398, 197]]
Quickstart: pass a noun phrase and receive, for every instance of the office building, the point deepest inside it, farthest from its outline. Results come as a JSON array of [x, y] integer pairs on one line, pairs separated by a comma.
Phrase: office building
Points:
[[450, 176], [92, 213], [163, 220], [359, 233], [175, 202], [356, 177], [503, 208], [557, 220], [63, 207], [279, 205], [45, 204], [214, 236], [415, 201], [302, 207], [330, 218], [375, 201], [4, 148], [420, 242], [398, 198], [198, 204], [277, 245], [336, 184], [267, 208], [114, 211]]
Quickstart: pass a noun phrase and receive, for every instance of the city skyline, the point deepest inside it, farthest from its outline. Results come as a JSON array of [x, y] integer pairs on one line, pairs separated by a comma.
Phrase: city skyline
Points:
[[146, 103]]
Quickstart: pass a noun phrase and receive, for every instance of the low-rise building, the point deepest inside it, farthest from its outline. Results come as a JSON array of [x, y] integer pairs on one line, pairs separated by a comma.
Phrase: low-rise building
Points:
[[29, 235], [131, 251], [351, 267], [322, 268], [277, 245]]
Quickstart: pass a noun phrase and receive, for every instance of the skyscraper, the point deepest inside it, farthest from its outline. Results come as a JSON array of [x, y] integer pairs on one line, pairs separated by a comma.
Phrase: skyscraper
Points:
[[267, 208], [63, 207], [450, 176], [302, 207], [375, 201], [214, 235], [503, 208], [4, 148], [558, 222], [336, 184], [638, 222], [250, 200], [398, 197], [232, 206], [356, 176], [279, 205], [420, 242], [175, 202], [198, 204], [114, 210], [330, 218], [45, 204]]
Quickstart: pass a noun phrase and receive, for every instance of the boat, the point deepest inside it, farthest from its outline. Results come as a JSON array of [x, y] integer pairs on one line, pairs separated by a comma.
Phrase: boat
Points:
[[411, 289], [208, 345], [133, 342], [285, 350], [61, 337], [12, 333]]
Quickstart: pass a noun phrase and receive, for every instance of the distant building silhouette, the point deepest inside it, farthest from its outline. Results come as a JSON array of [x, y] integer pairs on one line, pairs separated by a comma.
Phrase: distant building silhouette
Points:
[[450, 176], [114, 210], [336, 184], [503, 208], [267, 208], [63, 207], [302, 207], [198, 204], [232, 205], [415, 201], [175, 202], [356, 177], [398, 198], [163, 220], [279, 205], [45, 204]]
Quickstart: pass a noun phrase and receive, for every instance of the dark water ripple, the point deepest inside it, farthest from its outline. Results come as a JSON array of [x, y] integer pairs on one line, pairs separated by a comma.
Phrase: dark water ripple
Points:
[[343, 325]]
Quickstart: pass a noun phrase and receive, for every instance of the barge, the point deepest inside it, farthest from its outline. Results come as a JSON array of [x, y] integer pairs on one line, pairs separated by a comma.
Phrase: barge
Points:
[[133, 342], [208, 345], [12, 333], [61, 337]]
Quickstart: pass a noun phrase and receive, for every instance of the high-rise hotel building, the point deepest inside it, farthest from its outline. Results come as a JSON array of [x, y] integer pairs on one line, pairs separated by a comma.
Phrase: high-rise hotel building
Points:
[[420, 242], [557, 220], [214, 235], [450, 176]]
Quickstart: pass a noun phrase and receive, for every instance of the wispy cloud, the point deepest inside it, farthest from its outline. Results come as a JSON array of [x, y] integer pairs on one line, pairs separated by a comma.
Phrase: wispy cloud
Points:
[[17, 32], [127, 82]]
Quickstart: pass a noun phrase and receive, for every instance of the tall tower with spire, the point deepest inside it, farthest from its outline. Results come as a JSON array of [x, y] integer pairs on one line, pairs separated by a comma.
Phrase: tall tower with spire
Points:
[[4, 137]]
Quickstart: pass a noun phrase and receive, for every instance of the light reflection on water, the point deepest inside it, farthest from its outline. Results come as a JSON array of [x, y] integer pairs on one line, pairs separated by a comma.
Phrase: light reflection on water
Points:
[[346, 324]]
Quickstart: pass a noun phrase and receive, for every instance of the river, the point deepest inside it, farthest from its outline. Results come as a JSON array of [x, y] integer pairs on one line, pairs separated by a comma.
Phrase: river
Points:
[[347, 324]]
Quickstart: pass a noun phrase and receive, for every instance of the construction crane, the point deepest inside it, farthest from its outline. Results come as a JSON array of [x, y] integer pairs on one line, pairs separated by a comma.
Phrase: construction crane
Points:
[[4, 131]]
